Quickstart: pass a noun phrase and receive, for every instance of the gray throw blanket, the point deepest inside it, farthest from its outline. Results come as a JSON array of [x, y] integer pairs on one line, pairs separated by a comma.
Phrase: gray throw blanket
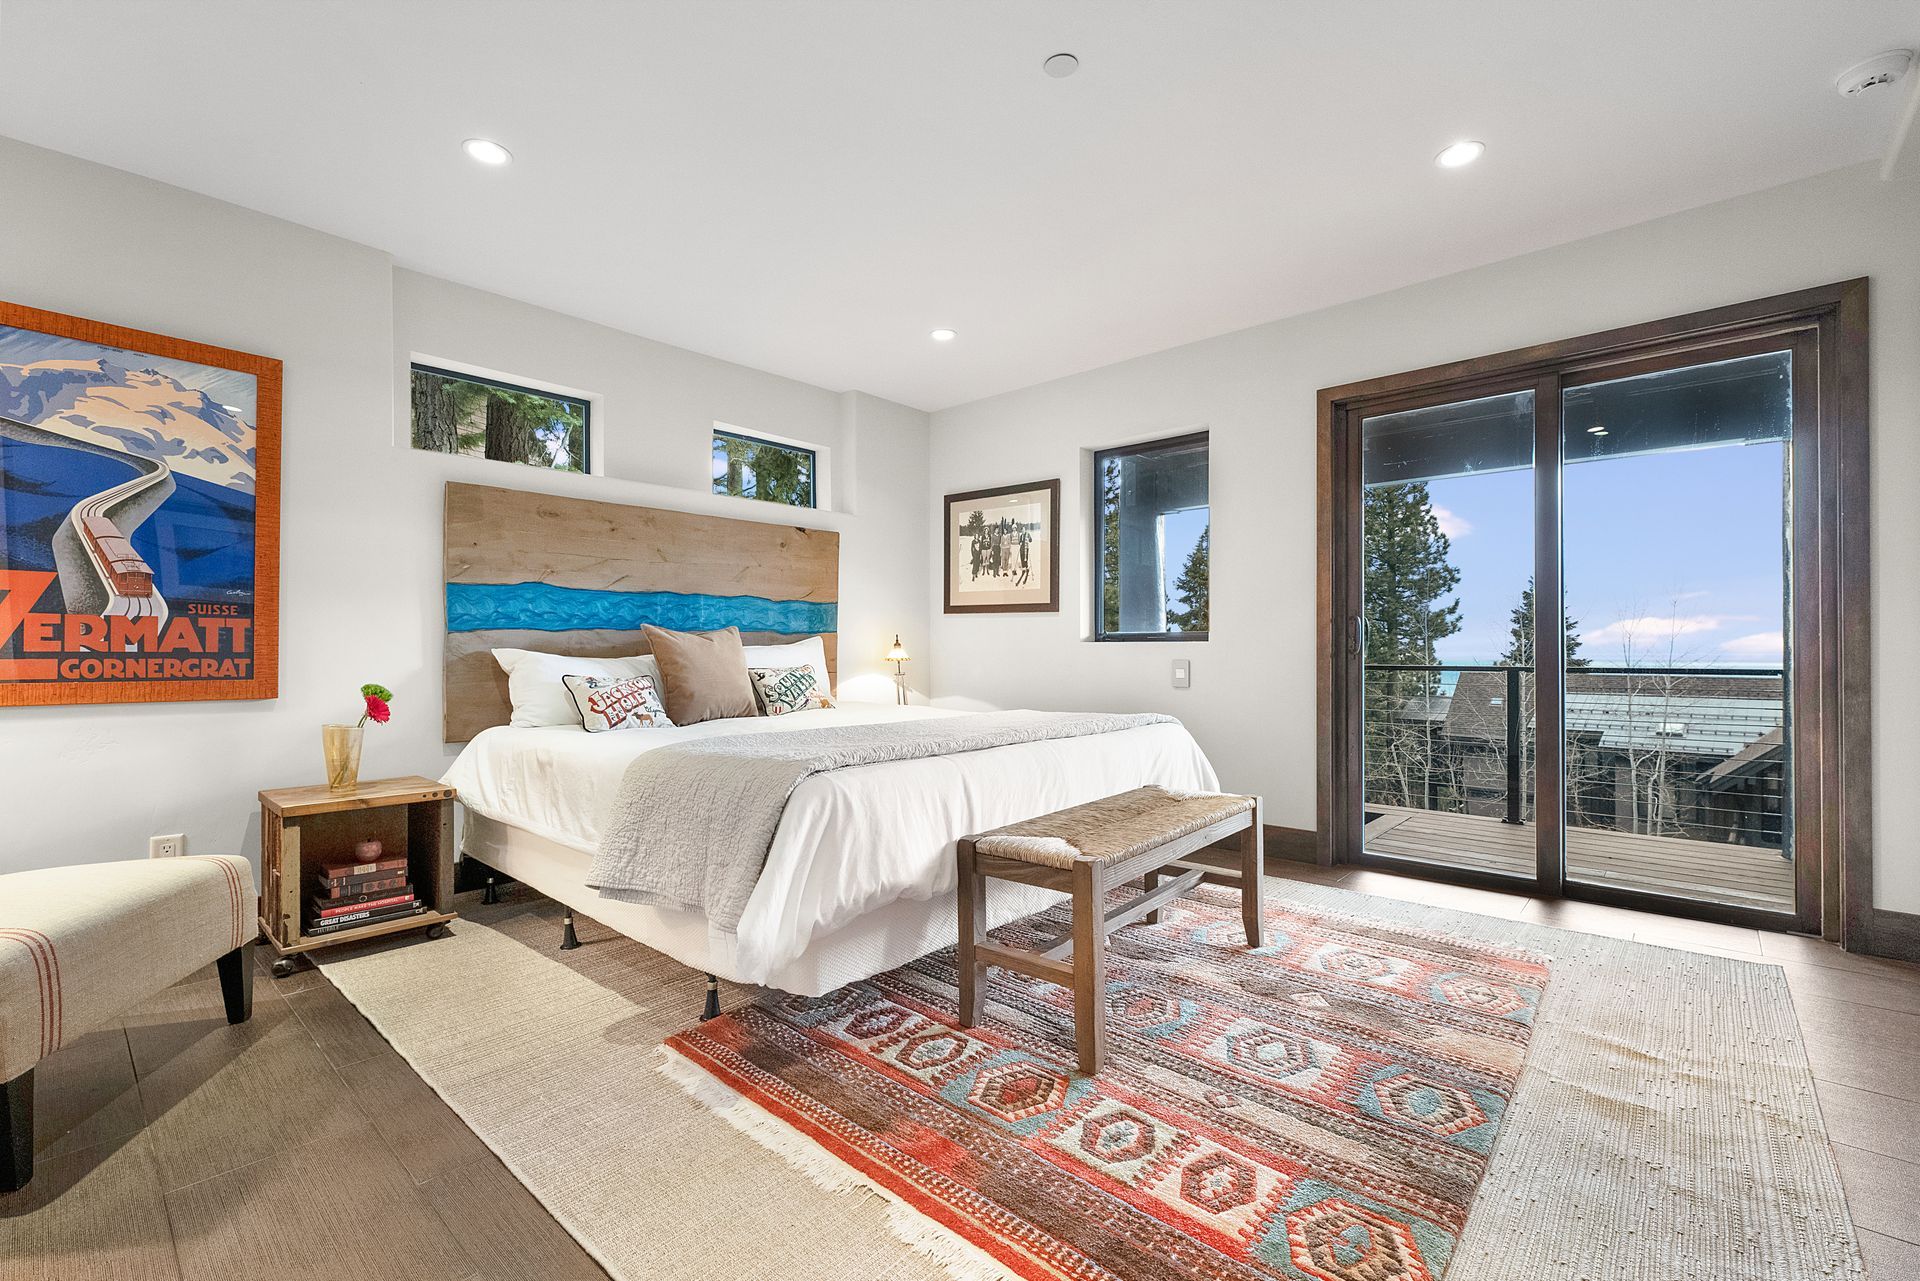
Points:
[[692, 824]]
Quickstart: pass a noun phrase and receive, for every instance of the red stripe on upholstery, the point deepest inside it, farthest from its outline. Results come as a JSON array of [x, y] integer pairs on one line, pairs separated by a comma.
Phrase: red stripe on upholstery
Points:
[[59, 991], [43, 979], [233, 888]]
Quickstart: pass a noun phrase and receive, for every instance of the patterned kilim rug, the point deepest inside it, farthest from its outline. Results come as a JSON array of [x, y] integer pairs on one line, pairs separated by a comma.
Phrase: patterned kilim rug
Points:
[[1321, 1108]]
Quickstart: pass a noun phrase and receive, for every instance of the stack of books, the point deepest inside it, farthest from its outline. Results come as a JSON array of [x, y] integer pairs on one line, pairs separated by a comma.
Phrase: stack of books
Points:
[[347, 896]]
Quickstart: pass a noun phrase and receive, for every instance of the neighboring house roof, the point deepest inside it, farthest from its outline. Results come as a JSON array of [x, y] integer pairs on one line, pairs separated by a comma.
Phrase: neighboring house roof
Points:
[[1426, 707], [1711, 717], [1769, 749]]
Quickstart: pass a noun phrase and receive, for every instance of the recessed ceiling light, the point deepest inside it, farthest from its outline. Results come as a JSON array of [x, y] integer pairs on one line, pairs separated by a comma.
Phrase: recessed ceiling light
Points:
[[943, 335], [486, 151], [1460, 153], [1061, 65]]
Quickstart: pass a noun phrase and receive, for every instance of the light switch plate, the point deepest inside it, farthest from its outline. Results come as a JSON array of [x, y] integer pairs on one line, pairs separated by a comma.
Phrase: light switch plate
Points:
[[1182, 673]]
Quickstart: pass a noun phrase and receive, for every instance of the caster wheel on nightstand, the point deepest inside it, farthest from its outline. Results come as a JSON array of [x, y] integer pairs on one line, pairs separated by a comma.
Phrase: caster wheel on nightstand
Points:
[[284, 966], [438, 931]]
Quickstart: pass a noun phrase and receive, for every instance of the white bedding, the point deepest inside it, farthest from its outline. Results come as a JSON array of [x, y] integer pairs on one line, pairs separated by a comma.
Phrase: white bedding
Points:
[[853, 840]]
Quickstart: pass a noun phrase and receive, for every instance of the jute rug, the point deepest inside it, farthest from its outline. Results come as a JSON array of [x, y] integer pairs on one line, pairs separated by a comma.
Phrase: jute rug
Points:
[[1665, 1128], [1320, 1108]]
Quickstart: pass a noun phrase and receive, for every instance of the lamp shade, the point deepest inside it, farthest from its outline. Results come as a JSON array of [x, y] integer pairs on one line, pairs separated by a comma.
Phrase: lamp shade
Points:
[[898, 654]]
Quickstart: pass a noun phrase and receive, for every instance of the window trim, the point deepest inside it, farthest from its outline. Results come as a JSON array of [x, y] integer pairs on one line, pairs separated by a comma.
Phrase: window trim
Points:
[[818, 471], [1164, 444], [471, 374]]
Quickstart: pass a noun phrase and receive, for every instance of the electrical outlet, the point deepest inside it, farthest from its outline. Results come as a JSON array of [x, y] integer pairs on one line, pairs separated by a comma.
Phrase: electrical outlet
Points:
[[167, 846], [1182, 673]]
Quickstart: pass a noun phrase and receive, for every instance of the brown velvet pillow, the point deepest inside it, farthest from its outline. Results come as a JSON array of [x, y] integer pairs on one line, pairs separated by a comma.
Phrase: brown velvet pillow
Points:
[[704, 674]]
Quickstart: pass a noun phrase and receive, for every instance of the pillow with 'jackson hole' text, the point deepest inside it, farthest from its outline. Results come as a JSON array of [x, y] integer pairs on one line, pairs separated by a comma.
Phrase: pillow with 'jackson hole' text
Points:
[[617, 702]]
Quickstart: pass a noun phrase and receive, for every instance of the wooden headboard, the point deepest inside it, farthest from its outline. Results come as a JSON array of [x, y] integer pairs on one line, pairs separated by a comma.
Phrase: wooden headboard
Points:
[[574, 576]]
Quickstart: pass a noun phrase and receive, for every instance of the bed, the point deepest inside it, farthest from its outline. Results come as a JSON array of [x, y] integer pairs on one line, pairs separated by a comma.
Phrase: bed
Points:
[[859, 877]]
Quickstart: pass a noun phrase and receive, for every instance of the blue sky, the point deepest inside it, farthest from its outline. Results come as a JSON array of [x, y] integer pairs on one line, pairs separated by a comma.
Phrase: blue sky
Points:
[[1675, 554]]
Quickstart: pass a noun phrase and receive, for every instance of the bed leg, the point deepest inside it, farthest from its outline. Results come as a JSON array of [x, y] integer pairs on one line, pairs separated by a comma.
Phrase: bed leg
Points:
[[713, 999], [568, 939], [491, 894]]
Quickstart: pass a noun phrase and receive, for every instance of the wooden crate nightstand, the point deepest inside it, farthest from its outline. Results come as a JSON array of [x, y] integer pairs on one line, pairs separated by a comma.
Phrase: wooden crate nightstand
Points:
[[304, 827]]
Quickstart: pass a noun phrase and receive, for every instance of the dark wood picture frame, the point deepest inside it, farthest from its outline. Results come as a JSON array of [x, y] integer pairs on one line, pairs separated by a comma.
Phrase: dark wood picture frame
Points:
[[262, 682], [1052, 604], [1827, 328]]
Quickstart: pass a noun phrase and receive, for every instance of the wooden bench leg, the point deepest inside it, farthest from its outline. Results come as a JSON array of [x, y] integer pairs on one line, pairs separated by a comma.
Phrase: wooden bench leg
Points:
[[1149, 883], [1089, 965], [236, 983], [973, 929], [1253, 869], [16, 1132]]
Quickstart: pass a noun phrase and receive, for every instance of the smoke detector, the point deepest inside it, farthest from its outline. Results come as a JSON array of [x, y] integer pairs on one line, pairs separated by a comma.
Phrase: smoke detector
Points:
[[1883, 69]]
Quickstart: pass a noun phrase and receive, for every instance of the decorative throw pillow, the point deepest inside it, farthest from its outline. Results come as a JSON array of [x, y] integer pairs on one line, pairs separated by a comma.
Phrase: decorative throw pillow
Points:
[[617, 702], [703, 674], [810, 651], [786, 689]]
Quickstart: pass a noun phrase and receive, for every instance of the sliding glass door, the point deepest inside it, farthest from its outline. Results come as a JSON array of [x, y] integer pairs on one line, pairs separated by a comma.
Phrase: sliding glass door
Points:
[[1448, 694], [1677, 492], [1565, 605]]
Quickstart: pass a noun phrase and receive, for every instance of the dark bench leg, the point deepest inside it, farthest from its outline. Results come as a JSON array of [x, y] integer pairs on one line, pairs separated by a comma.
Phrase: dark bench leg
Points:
[[973, 928], [236, 983], [1253, 871], [1089, 964], [1149, 883], [16, 1132]]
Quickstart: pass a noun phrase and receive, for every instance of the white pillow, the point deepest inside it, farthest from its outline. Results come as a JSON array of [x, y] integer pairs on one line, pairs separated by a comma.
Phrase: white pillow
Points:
[[538, 693], [811, 652]]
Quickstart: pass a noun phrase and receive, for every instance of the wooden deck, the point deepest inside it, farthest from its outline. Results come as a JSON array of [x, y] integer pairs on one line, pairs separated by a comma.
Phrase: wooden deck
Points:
[[1742, 875]]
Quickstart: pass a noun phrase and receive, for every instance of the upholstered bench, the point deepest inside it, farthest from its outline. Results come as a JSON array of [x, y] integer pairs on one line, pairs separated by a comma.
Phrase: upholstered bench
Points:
[[81, 945], [1088, 850]]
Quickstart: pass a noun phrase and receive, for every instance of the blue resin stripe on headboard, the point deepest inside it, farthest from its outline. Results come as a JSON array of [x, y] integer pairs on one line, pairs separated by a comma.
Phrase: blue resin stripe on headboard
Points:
[[478, 607]]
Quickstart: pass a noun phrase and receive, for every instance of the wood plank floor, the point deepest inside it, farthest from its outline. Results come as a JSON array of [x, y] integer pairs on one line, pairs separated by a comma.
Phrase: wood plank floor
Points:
[[300, 1145], [1711, 871]]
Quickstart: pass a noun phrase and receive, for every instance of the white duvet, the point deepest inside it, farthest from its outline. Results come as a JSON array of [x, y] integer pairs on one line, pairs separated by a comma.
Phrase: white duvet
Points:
[[852, 840]]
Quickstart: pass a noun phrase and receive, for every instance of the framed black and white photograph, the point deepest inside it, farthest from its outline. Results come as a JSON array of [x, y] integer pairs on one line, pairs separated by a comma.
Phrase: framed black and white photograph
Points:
[[1003, 550]]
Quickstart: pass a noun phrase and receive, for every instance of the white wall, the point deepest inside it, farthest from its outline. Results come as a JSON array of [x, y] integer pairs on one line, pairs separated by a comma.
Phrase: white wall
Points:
[[361, 512], [1252, 700], [656, 407]]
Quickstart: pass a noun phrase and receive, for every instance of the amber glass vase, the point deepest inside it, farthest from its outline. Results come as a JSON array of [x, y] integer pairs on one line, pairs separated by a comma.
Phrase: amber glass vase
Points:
[[341, 743]]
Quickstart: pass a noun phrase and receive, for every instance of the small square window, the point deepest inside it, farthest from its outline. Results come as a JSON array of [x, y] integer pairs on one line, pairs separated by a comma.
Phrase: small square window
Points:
[[484, 418], [1153, 541], [748, 467]]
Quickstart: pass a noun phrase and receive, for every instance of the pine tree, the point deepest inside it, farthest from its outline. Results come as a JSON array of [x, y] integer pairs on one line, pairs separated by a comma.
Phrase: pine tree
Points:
[[1520, 644], [1406, 612], [774, 473], [1192, 588], [1110, 547], [1407, 576]]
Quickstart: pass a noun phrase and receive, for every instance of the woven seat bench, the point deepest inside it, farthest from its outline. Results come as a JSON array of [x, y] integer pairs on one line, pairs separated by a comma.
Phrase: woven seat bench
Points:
[[1088, 850]]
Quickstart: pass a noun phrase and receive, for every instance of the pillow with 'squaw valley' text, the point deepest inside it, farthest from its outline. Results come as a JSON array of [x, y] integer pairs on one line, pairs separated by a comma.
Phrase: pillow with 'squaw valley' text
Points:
[[786, 689]]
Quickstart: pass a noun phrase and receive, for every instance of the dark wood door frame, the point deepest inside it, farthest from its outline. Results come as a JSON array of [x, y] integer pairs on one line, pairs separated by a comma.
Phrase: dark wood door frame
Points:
[[1832, 658]]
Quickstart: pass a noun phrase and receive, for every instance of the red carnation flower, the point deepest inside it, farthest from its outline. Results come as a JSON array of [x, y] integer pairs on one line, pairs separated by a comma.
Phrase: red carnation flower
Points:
[[377, 709]]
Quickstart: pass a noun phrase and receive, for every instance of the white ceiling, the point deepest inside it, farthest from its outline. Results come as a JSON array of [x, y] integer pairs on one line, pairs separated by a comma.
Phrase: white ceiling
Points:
[[810, 186]]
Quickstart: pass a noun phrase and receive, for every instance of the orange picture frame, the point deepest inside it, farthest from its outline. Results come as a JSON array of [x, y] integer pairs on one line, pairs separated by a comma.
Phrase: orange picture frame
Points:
[[139, 470]]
